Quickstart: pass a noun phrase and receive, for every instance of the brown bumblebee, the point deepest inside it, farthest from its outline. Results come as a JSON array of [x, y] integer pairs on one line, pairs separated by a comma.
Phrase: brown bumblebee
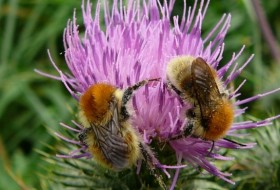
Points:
[[197, 83], [108, 133]]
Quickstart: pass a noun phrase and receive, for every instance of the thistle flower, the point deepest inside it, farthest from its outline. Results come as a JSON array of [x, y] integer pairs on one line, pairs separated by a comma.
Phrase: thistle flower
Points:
[[137, 42]]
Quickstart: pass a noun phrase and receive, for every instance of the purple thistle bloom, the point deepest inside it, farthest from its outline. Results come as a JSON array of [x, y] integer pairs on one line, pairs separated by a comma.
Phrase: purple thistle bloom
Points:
[[137, 43]]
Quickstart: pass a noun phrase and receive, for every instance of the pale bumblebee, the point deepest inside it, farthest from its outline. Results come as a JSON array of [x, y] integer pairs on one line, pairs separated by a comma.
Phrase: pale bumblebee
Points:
[[196, 82], [108, 134]]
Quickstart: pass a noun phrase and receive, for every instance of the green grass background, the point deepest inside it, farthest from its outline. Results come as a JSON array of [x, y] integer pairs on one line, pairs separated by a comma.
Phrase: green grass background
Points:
[[31, 106]]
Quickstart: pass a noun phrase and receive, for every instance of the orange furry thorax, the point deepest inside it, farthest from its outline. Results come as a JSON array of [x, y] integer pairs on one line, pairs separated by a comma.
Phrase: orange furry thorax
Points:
[[95, 102]]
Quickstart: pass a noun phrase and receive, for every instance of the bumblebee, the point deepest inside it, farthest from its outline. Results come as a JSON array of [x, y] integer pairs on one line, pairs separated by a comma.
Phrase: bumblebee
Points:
[[108, 133], [196, 82]]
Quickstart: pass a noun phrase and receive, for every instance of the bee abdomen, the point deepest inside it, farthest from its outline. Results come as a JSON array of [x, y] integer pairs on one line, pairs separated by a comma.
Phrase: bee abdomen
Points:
[[220, 122]]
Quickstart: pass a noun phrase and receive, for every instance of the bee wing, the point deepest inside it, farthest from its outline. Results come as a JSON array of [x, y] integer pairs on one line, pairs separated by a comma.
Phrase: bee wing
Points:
[[205, 88], [111, 141]]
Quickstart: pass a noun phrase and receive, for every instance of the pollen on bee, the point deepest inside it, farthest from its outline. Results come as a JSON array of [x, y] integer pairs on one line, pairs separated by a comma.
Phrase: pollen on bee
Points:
[[133, 144], [95, 102], [220, 121]]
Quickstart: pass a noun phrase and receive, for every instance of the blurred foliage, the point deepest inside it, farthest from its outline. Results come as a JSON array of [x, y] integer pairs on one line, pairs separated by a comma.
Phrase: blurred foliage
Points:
[[31, 106], [259, 168]]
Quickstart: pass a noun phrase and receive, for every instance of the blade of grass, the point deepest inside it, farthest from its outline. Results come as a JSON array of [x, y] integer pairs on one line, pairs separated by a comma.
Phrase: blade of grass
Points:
[[8, 33]]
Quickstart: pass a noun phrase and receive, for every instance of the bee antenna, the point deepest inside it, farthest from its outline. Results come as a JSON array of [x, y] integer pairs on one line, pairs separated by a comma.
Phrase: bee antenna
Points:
[[232, 141], [171, 86]]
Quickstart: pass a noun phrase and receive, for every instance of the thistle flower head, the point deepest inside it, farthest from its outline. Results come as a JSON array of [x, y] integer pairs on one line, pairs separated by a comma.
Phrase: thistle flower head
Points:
[[136, 43]]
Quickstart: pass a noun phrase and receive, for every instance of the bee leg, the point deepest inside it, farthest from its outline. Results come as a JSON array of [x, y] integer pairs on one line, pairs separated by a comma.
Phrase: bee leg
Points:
[[234, 142], [171, 86], [187, 132], [188, 129], [82, 136], [151, 161], [213, 143], [129, 91], [212, 148], [128, 94]]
